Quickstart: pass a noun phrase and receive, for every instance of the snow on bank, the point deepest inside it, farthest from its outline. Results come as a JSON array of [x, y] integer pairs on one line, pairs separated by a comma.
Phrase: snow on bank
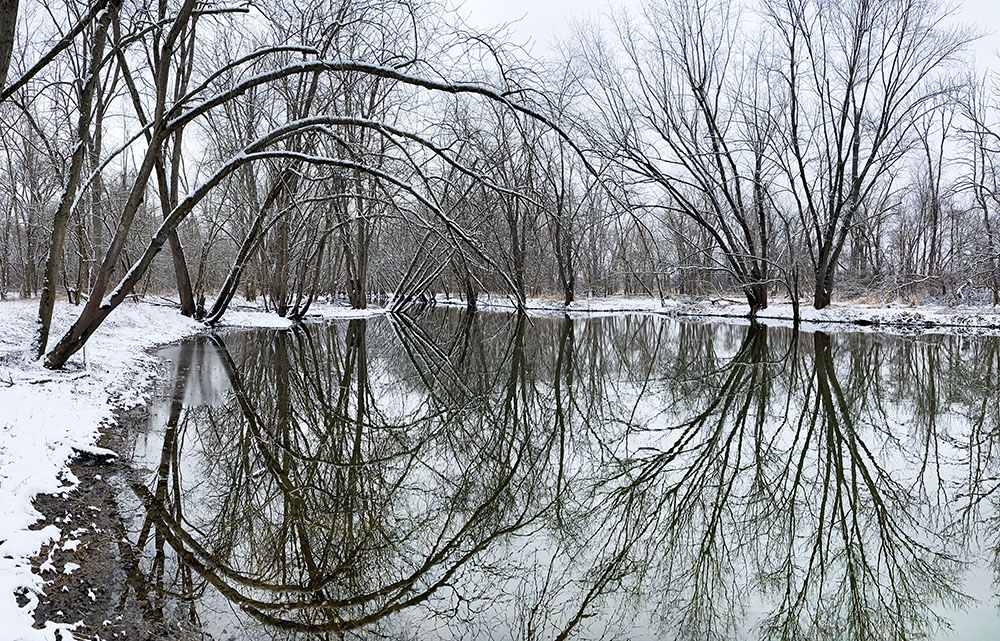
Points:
[[45, 415], [243, 313], [893, 315], [330, 311]]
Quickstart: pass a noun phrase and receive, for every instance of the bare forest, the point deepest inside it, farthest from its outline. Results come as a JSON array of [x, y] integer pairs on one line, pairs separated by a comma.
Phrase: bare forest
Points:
[[388, 153]]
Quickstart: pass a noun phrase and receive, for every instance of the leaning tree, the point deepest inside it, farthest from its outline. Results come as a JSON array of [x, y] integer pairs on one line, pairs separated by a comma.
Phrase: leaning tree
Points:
[[298, 141]]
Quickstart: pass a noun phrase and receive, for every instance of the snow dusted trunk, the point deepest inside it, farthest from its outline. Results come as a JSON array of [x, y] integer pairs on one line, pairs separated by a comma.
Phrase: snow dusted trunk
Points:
[[98, 308], [249, 247], [756, 294], [8, 21], [824, 284], [61, 220]]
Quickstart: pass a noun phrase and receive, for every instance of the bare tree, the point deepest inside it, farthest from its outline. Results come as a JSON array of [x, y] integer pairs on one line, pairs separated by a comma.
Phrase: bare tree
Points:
[[685, 112], [858, 76], [72, 185], [982, 182]]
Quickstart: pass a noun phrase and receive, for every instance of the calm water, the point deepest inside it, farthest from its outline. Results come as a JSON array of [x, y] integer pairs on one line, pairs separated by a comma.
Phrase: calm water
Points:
[[627, 477]]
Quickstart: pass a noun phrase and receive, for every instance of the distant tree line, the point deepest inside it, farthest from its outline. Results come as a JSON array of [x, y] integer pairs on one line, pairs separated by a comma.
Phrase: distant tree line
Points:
[[379, 150]]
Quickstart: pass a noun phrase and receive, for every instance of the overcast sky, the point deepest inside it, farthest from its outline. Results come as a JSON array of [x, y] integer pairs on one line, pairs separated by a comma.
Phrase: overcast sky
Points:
[[540, 21]]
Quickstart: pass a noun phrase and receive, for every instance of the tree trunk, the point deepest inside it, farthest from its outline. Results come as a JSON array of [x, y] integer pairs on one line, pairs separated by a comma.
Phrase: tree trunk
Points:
[[278, 286], [8, 22], [824, 284], [796, 317], [169, 188], [168, 200], [60, 222], [563, 245], [756, 294], [470, 293], [96, 192], [182, 276], [357, 251]]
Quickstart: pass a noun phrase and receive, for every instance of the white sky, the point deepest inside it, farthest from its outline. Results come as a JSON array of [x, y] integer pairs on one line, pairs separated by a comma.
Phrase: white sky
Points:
[[539, 22]]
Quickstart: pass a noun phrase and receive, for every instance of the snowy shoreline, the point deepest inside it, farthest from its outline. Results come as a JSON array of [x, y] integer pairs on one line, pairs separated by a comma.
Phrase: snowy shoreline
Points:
[[46, 415], [883, 317]]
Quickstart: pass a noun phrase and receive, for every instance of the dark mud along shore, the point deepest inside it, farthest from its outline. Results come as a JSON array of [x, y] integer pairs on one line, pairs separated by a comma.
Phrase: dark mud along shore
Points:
[[107, 592]]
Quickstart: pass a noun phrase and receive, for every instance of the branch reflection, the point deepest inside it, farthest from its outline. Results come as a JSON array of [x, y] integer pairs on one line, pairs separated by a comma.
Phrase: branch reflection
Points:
[[494, 476]]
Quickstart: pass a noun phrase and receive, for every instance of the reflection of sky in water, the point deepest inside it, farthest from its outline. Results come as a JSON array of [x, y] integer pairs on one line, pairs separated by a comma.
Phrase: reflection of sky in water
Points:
[[621, 477]]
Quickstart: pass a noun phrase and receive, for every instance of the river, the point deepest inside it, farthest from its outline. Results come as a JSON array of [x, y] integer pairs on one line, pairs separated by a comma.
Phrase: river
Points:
[[494, 476]]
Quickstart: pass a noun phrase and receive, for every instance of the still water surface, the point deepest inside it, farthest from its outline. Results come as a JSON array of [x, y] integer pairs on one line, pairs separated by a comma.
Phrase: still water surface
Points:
[[623, 477]]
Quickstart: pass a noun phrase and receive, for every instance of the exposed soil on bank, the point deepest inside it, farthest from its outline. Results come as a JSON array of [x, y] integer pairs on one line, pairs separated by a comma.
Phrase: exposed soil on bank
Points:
[[97, 581]]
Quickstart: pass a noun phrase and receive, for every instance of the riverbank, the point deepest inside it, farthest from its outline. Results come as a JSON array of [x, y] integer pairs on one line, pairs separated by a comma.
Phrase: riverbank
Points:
[[892, 315], [48, 419], [93, 583]]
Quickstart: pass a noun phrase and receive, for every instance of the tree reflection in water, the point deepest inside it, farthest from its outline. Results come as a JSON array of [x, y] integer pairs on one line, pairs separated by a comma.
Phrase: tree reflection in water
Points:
[[495, 476]]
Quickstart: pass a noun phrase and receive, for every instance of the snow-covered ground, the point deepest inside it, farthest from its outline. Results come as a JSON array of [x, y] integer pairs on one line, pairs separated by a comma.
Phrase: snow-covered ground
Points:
[[891, 315], [45, 415]]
